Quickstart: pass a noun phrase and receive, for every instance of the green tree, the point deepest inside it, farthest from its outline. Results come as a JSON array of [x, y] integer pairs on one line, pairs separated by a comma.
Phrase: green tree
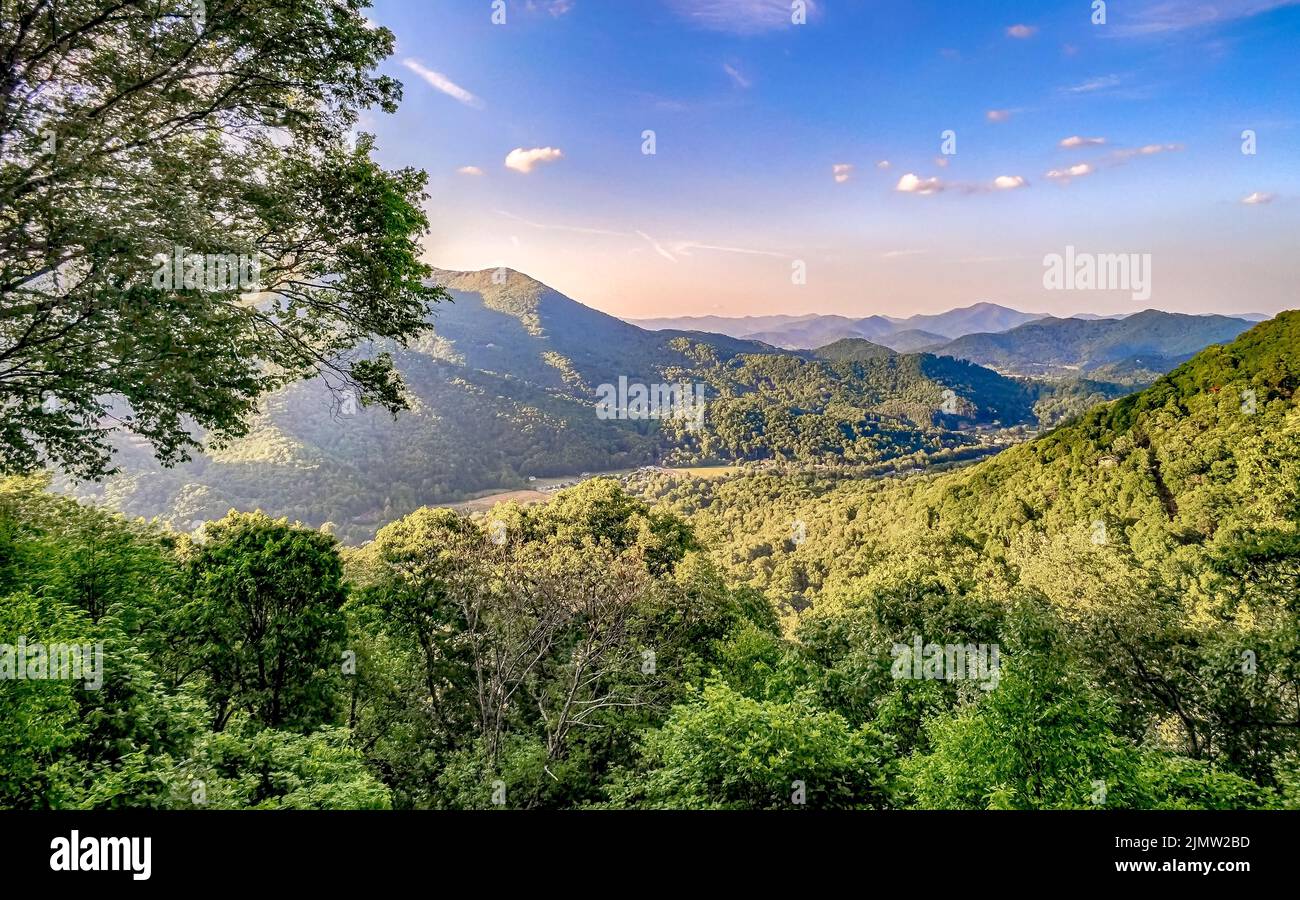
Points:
[[1041, 739], [264, 623], [723, 750], [247, 767], [133, 134]]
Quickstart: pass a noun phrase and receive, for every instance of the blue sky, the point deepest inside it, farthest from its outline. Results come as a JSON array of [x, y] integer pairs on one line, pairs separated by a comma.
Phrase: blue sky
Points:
[[819, 144]]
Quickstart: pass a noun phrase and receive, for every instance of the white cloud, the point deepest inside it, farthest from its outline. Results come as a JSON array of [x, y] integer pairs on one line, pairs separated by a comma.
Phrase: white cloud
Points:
[[842, 172], [883, 164], [1077, 141], [556, 8], [658, 248], [441, 82], [525, 161], [576, 229], [470, 170], [737, 78], [743, 17], [912, 184], [669, 250], [1148, 150], [1065, 176], [998, 115], [1021, 32], [1161, 16], [1101, 83], [1257, 198]]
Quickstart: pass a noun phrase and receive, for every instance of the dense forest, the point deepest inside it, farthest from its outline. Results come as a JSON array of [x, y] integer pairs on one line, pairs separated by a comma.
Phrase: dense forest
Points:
[[741, 642], [225, 584], [502, 388]]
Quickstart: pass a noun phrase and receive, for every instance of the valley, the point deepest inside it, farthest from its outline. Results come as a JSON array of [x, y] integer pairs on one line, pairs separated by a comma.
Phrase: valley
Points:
[[505, 386]]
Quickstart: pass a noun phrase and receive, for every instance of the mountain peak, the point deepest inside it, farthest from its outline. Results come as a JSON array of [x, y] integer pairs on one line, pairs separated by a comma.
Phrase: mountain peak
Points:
[[486, 280]]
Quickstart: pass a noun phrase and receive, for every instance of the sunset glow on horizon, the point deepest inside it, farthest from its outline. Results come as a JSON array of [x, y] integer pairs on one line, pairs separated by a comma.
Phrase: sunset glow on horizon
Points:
[[895, 151]]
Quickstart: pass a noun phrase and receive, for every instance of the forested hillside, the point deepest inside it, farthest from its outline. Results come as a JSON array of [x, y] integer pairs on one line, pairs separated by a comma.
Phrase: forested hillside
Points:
[[1135, 348], [502, 388], [1127, 584]]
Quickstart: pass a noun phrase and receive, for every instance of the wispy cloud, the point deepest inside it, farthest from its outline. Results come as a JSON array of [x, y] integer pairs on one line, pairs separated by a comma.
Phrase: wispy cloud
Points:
[[685, 248], [669, 250], [525, 161], [743, 17], [1148, 150], [883, 164], [441, 82], [1257, 198], [737, 77], [576, 229], [658, 248], [470, 170], [1092, 85], [1079, 141], [1022, 32], [998, 115], [1111, 160], [556, 8], [1164, 16], [842, 172]]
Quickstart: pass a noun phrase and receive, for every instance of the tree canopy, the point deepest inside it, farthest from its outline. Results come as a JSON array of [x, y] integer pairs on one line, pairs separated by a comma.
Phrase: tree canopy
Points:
[[143, 146]]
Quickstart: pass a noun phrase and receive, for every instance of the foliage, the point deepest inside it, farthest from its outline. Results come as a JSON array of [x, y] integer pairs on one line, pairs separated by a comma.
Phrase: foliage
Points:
[[685, 645], [134, 135]]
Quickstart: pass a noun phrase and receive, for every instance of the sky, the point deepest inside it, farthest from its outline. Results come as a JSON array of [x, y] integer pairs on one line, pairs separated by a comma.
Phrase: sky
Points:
[[872, 157]]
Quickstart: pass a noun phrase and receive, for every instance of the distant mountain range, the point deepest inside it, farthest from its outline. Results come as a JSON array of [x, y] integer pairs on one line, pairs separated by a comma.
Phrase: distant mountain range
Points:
[[811, 331], [906, 335], [1150, 342]]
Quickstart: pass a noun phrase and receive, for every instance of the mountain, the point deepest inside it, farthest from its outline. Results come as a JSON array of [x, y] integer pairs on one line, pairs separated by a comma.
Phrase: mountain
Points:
[[1149, 341], [853, 350], [823, 330], [732, 326], [808, 331], [981, 317], [913, 339], [503, 388], [1170, 481], [506, 322]]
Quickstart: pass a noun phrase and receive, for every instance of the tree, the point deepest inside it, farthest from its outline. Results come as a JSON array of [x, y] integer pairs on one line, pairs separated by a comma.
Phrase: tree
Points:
[[146, 150], [245, 767], [264, 624], [722, 750], [1043, 738]]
